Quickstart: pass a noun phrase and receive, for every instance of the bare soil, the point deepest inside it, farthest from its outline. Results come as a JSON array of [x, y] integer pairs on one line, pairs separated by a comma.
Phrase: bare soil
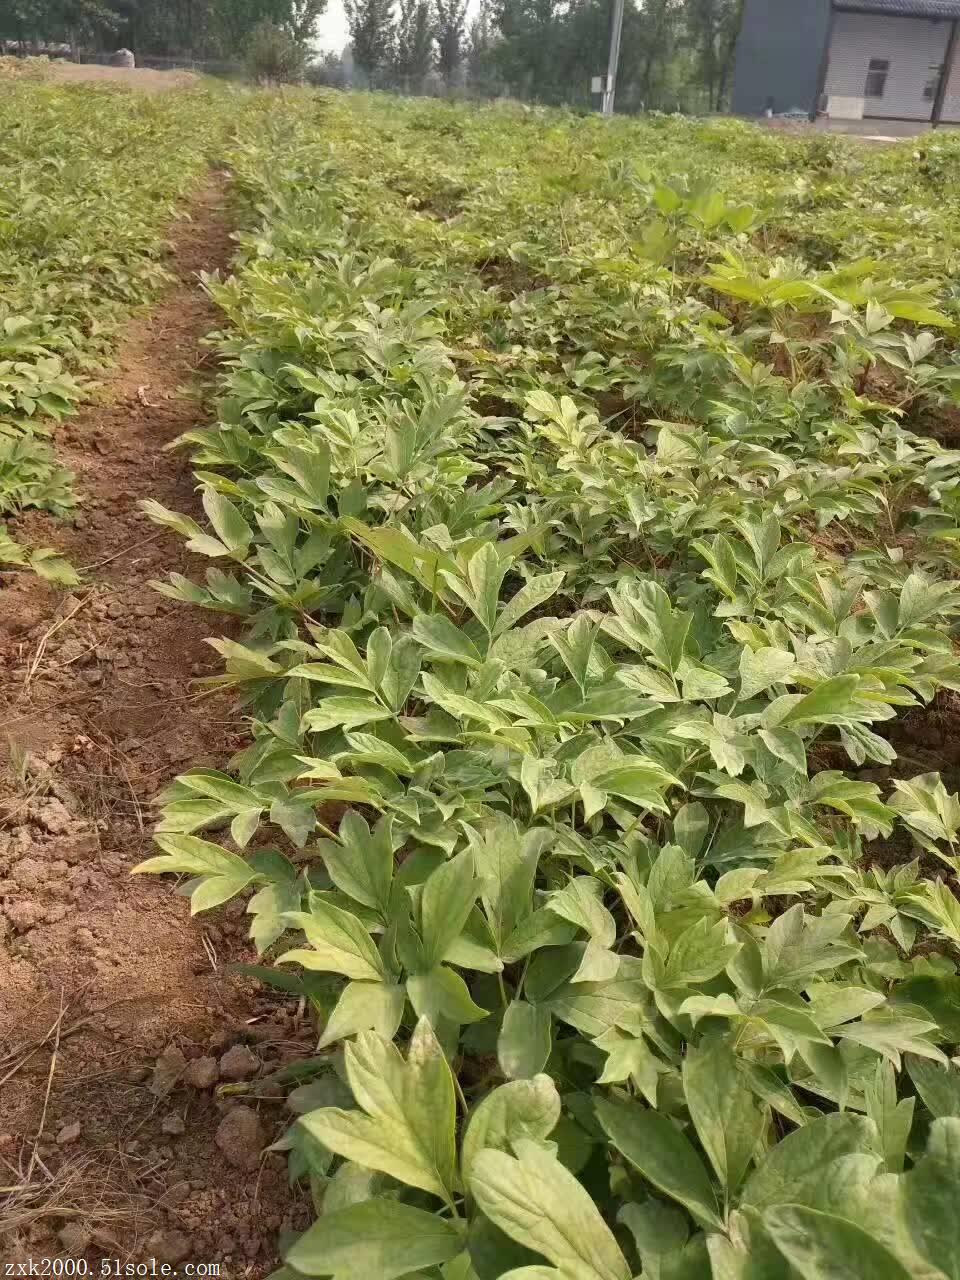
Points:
[[142, 78], [102, 973]]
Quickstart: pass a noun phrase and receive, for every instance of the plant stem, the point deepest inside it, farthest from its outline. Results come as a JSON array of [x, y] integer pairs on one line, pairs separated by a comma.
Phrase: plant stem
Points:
[[460, 1095]]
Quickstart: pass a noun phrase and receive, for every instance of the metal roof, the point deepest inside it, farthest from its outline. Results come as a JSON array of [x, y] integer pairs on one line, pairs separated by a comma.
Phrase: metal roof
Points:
[[903, 8]]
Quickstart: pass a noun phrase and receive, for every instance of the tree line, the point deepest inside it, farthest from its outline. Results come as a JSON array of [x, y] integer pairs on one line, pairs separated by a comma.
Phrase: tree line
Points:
[[675, 54], [200, 29]]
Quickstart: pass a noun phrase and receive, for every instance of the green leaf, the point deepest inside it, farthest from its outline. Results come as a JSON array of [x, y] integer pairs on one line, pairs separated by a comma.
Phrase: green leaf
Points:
[[478, 586], [443, 640], [727, 1120], [492, 1252], [638, 779], [538, 1203], [506, 864], [230, 526], [581, 902], [441, 992], [799, 947], [245, 663], [344, 713], [938, 1085], [361, 864], [931, 812], [937, 996], [768, 1086], [533, 593], [459, 706], [295, 818], [53, 566], [597, 964], [397, 547], [270, 906], [647, 622], [543, 788], [824, 1247], [401, 673], [575, 647], [760, 668], [891, 1034], [339, 943], [365, 1006], [309, 467], [699, 954], [691, 823], [798, 1160], [223, 874], [446, 901], [315, 988], [539, 929], [657, 1148], [893, 1118], [459, 1268], [379, 649], [520, 1109], [11, 552], [828, 703], [408, 1122], [699, 684], [378, 1239], [931, 1194], [595, 1007], [786, 745], [525, 1040], [937, 906], [859, 800], [658, 1231], [630, 1058]]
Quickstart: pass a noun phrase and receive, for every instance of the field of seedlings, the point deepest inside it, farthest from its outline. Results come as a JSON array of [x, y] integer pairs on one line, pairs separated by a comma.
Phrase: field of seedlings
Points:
[[574, 513]]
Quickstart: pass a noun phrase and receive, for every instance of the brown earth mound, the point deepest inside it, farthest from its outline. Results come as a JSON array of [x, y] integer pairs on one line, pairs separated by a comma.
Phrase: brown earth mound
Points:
[[141, 78]]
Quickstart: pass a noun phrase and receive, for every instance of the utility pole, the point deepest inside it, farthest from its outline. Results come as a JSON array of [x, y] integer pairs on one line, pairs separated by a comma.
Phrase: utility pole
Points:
[[614, 59]]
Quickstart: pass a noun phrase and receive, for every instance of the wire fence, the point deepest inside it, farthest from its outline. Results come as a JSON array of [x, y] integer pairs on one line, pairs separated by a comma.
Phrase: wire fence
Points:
[[582, 94], [557, 57]]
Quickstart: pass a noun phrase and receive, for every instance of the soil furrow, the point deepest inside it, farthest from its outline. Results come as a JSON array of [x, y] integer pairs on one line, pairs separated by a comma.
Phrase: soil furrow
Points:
[[97, 704]]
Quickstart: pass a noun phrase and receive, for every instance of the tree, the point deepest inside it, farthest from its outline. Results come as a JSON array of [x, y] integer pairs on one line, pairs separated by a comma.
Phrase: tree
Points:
[[714, 27], [413, 55], [274, 55], [659, 24], [329, 70], [480, 42], [449, 18], [236, 20], [74, 22], [527, 54], [371, 34], [302, 19]]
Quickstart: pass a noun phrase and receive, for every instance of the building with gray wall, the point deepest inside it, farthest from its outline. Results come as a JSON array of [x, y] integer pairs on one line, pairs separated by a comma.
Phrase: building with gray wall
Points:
[[850, 59]]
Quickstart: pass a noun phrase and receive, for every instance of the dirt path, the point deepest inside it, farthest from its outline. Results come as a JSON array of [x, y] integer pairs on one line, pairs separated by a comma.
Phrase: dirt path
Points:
[[95, 698], [142, 79]]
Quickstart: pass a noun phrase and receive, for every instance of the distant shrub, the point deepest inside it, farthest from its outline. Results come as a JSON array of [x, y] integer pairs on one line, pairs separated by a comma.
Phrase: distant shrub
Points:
[[274, 56]]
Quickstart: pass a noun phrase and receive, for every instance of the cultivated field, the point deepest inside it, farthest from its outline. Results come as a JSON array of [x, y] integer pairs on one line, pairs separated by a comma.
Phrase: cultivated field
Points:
[[573, 509]]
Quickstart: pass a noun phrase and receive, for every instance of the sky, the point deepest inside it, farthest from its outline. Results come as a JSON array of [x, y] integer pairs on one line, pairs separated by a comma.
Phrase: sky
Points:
[[332, 27], [332, 30]]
